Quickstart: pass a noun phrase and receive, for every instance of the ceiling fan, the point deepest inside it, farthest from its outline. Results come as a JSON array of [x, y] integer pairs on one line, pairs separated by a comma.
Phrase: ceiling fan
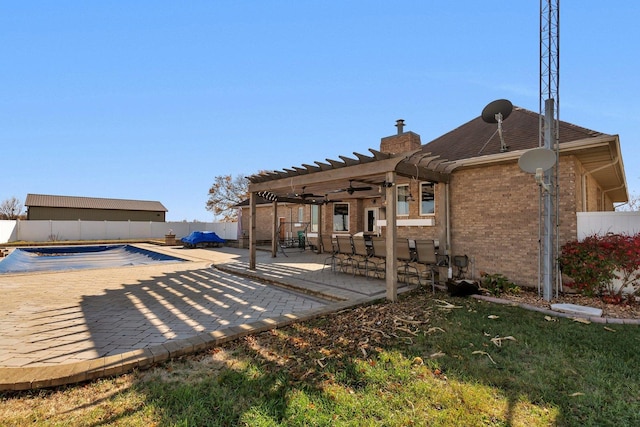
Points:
[[304, 195], [326, 200], [351, 189]]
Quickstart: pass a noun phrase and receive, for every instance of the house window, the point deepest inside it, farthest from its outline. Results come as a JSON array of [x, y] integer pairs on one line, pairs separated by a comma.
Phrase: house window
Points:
[[314, 218], [341, 217], [427, 198], [403, 202], [300, 214]]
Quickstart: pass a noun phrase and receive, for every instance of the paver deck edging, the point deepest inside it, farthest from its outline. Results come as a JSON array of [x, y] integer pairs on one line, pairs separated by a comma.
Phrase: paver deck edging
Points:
[[548, 311]]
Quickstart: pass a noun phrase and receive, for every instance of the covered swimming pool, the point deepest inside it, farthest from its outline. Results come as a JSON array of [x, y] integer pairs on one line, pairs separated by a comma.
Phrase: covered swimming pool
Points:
[[25, 260]]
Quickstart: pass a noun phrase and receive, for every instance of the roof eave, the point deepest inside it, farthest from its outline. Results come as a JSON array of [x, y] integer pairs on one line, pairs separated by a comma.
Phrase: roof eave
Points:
[[613, 166]]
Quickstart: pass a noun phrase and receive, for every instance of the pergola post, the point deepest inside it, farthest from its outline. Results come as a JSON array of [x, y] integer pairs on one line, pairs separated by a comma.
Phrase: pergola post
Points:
[[252, 231], [274, 229], [391, 233], [321, 247]]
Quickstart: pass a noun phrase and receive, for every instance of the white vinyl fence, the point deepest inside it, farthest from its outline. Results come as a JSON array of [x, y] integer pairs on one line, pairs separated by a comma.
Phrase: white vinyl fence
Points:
[[600, 223], [589, 223], [46, 231]]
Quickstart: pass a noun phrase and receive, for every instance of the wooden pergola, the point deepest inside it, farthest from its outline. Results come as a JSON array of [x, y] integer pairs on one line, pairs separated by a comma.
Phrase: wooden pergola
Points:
[[379, 171]]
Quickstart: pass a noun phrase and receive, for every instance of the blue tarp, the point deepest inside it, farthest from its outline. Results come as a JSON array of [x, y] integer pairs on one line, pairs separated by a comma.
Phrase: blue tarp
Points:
[[202, 237]]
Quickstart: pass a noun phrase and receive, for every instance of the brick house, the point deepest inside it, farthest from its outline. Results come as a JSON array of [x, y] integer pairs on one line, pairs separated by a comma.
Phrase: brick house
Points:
[[464, 189]]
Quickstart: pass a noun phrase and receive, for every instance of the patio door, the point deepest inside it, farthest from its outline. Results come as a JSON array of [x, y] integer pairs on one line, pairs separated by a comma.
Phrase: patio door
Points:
[[371, 220]]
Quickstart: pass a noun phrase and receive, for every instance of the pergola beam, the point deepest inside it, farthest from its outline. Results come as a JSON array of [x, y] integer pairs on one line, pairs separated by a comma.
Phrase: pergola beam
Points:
[[342, 173], [421, 173]]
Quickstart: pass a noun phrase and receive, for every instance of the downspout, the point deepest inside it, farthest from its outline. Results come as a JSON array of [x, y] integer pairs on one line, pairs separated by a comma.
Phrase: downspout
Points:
[[584, 192], [613, 163], [616, 161], [604, 193], [447, 214]]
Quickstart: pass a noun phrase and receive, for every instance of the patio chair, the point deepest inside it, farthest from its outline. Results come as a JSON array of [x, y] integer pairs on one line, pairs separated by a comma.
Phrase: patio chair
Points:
[[329, 247], [345, 249], [361, 255], [404, 255], [379, 256], [426, 255]]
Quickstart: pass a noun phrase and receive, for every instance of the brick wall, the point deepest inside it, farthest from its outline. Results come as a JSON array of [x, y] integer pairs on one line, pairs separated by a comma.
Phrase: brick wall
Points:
[[495, 218], [356, 216], [401, 143], [263, 222], [264, 219], [436, 231]]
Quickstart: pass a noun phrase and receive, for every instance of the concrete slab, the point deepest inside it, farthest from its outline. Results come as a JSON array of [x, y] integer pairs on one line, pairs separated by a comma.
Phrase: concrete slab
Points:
[[578, 309]]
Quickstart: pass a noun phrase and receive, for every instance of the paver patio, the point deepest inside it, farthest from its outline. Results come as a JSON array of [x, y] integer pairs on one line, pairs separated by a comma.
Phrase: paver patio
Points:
[[67, 326]]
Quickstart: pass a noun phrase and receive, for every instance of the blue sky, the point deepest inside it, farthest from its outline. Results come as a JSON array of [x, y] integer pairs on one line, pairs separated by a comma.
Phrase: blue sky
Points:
[[152, 99]]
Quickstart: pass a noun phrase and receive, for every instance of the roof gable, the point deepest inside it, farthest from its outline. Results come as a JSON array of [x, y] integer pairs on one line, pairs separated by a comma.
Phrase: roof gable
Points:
[[49, 201]]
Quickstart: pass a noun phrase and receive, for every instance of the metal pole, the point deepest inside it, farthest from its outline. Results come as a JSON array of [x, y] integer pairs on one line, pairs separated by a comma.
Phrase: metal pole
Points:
[[549, 229], [548, 137]]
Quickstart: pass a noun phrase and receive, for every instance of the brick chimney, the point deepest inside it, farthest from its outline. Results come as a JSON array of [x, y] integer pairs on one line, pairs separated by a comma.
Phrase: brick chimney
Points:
[[401, 142]]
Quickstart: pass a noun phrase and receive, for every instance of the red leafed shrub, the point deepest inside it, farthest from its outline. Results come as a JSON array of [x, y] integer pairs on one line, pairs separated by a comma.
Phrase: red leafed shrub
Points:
[[594, 262]]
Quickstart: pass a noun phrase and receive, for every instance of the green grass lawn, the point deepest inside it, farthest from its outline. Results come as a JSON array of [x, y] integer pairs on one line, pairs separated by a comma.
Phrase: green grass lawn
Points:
[[414, 362]]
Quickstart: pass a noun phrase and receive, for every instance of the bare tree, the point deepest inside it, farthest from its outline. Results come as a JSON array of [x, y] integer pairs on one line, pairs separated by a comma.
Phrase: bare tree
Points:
[[10, 208], [632, 205], [225, 193]]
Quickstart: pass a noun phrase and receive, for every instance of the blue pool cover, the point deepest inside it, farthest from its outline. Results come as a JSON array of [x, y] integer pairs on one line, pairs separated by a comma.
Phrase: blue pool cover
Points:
[[197, 237], [78, 257]]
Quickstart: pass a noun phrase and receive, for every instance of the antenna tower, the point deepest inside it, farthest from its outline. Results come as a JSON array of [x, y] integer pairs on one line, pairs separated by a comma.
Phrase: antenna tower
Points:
[[548, 273]]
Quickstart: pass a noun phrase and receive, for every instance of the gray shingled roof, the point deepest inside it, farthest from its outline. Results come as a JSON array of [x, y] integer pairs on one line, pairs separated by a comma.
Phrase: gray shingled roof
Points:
[[49, 201], [478, 138]]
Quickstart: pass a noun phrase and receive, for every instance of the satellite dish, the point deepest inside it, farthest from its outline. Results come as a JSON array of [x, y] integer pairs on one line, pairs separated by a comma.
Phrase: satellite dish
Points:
[[537, 158], [497, 111]]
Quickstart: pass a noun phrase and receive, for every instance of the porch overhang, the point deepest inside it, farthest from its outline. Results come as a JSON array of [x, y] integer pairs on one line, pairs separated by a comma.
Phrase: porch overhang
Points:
[[602, 158], [376, 175]]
